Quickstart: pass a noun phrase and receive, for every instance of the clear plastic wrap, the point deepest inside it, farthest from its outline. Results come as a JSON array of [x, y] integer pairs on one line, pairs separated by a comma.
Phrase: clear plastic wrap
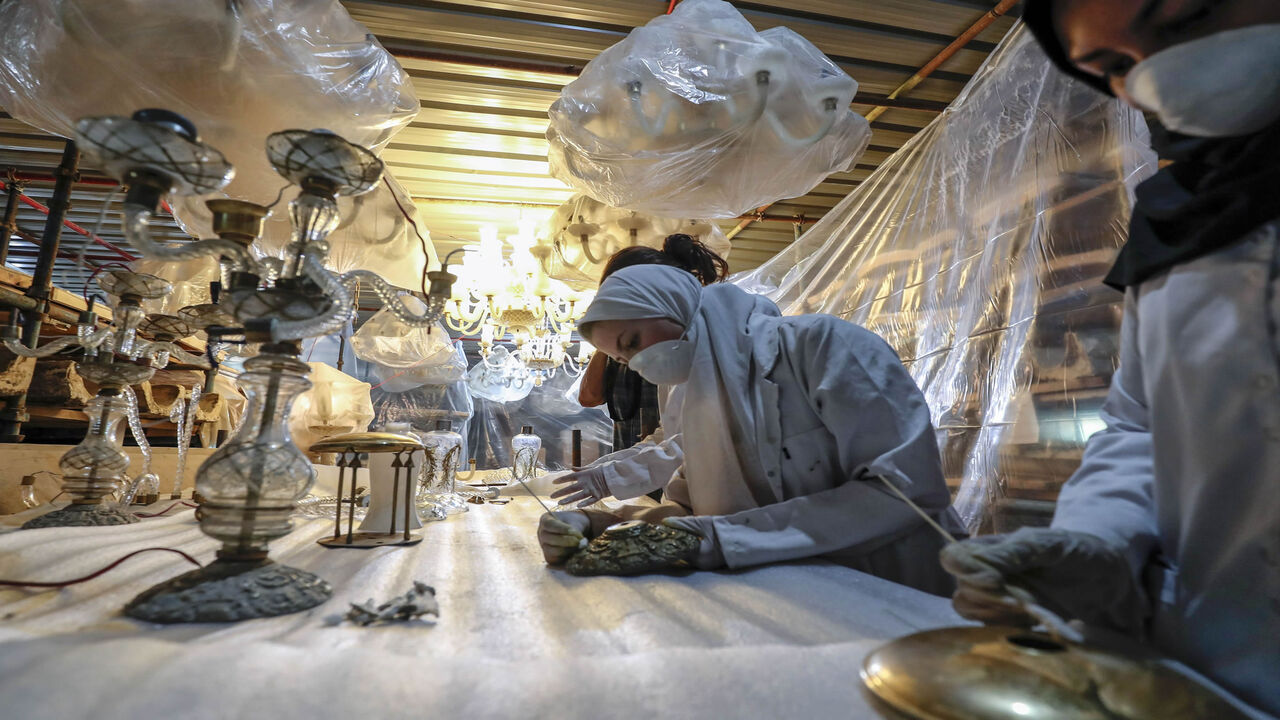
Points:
[[696, 114], [584, 232], [553, 416], [405, 357], [422, 406], [190, 280], [239, 71], [336, 403], [978, 251]]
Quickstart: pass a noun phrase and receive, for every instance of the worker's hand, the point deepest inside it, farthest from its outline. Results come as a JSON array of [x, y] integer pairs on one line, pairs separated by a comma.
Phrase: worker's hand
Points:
[[708, 555], [584, 487], [1073, 574], [561, 534]]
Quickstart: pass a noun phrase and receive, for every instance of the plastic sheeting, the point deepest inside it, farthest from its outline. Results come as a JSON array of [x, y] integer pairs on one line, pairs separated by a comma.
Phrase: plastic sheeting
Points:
[[554, 416], [584, 233], [405, 357], [977, 251], [674, 120], [336, 403], [424, 405], [239, 71], [190, 280]]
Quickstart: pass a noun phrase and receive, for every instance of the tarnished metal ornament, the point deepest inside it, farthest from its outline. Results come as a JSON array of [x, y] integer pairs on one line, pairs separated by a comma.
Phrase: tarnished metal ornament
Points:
[[1007, 673], [635, 547], [228, 591], [82, 516]]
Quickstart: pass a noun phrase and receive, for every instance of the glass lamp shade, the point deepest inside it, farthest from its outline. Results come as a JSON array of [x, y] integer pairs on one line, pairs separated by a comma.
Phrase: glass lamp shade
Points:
[[305, 156], [123, 145], [251, 483]]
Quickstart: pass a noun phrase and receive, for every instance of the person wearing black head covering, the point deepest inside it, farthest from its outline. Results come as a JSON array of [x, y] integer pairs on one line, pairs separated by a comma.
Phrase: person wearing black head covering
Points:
[[1170, 529]]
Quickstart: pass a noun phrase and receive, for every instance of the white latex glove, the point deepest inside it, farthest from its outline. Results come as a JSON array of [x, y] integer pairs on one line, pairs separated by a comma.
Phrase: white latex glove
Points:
[[561, 534], [1073, 574], [584, 487], [709, 556]]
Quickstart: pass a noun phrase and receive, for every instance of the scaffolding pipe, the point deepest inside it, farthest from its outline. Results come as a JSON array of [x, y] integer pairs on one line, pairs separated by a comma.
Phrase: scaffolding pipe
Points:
[[10, 217]]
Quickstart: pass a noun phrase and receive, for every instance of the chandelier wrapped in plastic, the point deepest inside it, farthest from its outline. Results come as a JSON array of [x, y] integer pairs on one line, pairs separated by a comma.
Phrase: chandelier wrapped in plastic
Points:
[[584, 233], [978, 251], [698, 115], [240, 71]]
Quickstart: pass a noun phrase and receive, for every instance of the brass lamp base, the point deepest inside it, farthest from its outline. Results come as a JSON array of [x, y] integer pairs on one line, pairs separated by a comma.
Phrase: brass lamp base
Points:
[[366, 540], [1008, 673], [82, 516], [229, 591]]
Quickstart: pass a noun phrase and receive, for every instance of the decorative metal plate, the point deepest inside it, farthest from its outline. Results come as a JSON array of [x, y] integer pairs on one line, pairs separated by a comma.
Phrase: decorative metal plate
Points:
[[301, 155], [171, 325], [123, 282], [1006, 673], [114, 374], [228, 591], [366, 442], [635, 547], [82, 516], [121, 144]]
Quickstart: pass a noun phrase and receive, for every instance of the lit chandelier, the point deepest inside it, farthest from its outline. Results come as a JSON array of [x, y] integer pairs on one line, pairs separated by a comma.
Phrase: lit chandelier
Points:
[[496, 297]]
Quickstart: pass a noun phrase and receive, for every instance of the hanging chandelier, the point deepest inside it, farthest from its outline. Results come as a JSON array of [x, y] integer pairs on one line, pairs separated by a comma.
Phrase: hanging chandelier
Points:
[[497, 297]]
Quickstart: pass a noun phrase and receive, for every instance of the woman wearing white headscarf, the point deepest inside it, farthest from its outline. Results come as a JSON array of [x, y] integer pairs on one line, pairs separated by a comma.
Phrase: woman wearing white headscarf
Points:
[[789, 424]]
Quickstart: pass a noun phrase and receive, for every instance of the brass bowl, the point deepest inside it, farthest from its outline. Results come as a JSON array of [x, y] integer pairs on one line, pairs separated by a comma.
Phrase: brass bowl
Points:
[[1007, 673], [366, 442]]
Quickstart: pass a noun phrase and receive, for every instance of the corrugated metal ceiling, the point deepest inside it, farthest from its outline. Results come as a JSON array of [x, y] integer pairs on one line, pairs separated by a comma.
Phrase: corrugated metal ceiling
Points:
[[487, 70]]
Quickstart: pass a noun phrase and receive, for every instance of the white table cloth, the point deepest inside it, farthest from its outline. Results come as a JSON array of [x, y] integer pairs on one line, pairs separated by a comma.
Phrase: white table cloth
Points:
[[515, 639]]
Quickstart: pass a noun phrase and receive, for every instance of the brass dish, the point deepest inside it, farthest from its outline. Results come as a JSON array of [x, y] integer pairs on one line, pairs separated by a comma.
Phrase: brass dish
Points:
[[366, 442], [1006, 673]]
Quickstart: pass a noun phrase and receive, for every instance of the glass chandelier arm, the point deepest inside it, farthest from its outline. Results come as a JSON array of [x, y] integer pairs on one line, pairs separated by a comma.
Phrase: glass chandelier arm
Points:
[[137, 229], [171, 351], [50, 348], [390, 296], [829, 120], [135, 427], [338, 292]]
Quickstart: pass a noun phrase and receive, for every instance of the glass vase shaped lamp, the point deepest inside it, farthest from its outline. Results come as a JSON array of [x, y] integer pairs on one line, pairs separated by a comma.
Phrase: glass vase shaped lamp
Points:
[[524, 454], [249, 486], [444, 453]]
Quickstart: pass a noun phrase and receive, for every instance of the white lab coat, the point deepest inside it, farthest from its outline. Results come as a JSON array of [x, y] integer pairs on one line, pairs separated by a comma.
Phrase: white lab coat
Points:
[[649, 464], [1186, 475], [834, 409]]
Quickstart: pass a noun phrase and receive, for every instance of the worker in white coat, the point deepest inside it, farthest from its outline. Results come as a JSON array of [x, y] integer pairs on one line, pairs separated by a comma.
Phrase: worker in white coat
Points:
[[1170, 529], [789, 426], [651, 463]]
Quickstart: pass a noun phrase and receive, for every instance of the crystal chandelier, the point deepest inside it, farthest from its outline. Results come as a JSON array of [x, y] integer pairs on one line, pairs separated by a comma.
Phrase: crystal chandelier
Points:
[[497, 297]]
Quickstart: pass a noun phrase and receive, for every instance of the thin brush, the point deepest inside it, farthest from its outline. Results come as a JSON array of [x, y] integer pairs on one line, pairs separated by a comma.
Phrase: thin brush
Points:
[[1058, 628]]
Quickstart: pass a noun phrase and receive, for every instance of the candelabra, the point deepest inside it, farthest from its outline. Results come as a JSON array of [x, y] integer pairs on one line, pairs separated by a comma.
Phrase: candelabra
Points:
[[250, 484]]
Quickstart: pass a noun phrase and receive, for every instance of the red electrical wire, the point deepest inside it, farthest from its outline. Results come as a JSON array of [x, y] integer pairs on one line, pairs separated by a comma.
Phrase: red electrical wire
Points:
[[96, 573], [672, 6], [28, 201]]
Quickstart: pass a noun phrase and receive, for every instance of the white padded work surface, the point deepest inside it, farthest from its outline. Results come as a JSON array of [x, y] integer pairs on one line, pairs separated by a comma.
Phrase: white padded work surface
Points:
[[515, 639]]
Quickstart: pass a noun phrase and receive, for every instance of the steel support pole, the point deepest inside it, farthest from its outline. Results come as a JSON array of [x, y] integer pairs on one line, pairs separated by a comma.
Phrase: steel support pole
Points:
[[10, 221]]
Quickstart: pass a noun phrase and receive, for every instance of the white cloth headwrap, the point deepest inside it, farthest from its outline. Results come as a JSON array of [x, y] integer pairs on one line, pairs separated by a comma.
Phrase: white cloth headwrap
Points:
[[720, 464]]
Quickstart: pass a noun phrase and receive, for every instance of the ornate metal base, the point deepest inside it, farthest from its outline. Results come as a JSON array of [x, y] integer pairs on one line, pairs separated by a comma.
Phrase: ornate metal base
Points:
[[229, 591], [82, 516], [635, 547], [365, 540]]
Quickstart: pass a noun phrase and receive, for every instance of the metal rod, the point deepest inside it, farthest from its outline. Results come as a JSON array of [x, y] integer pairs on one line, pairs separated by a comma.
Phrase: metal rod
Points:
[[408, 493], [337, 501], [576, 461], [396, 467], [351, 510]]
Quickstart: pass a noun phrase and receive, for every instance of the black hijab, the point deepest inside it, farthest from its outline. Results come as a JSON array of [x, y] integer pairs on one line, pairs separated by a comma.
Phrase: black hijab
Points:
[[1214, 194]]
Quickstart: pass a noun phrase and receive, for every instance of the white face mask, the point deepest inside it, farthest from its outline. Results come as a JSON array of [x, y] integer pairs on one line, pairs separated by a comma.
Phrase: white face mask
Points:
[[1222, 85], [665, 363]]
